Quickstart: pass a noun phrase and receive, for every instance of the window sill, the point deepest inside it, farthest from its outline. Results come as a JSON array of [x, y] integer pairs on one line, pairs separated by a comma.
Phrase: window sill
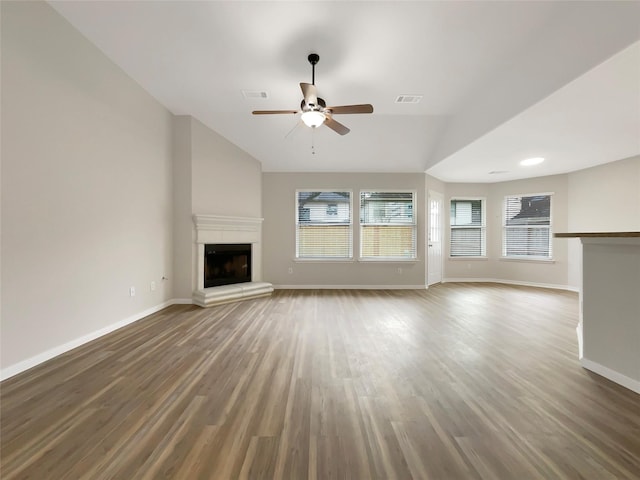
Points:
[[323, 260], [527, 260], [388, 260], [465, 259]]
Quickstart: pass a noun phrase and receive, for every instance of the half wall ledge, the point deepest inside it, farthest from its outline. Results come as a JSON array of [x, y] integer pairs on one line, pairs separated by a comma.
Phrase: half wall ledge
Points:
[[209, 297]]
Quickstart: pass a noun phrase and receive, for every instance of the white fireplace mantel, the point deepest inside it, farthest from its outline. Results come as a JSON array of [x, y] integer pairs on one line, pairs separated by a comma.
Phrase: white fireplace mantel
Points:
[[214, 228], [225, 229]]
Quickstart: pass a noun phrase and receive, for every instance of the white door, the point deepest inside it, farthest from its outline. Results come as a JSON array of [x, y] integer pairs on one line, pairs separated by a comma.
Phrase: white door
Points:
[[434, 238]]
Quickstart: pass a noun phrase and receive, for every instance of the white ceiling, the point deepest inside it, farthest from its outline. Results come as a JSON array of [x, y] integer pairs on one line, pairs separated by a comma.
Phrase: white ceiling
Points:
[[500, 81]]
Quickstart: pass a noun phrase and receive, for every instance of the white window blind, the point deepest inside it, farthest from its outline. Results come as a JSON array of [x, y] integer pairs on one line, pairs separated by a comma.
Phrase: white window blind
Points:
[[324, 227], [527, 226], [468, 228], [387, 225]]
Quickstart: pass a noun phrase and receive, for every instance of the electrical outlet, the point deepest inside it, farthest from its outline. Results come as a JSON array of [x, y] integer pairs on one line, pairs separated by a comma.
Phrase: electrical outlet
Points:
[[132, 291], [399, 271], [290, 270], [153, 286]]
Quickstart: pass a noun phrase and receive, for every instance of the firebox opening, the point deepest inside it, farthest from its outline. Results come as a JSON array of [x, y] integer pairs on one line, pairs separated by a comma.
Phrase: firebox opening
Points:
[[225, 264]]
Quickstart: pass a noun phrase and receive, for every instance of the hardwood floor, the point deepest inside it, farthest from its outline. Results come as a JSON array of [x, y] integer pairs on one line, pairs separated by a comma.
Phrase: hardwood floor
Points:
[[463, 381]]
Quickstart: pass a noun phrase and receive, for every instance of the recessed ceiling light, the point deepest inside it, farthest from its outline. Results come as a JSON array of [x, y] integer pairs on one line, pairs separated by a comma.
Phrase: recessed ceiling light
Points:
[[531, 161]]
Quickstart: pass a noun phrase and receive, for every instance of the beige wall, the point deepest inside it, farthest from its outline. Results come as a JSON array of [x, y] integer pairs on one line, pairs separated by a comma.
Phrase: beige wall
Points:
[[434, 184], [605, 198], [279, 232], [182, 223], [518, 271], [86, 188], [572, 194], [99, 185], [226, 180], [212, 177]]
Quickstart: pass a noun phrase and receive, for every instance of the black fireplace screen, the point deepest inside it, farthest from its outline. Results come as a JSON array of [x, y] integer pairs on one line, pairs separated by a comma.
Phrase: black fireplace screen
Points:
[[225, 264]]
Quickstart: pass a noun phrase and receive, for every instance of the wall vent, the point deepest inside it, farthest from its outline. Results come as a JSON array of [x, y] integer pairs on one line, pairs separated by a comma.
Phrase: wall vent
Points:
[[408, 98], [255, 94]]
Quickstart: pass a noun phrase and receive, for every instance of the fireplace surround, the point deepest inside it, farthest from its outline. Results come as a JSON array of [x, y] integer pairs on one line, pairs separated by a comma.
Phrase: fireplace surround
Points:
[[225, 230]]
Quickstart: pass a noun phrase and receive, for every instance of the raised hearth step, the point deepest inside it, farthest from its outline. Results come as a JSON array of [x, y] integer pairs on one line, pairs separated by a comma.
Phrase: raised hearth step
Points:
[[211, 296]]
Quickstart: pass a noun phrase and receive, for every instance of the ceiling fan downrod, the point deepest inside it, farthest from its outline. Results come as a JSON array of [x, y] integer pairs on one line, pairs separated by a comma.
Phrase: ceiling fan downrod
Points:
[[313, 59]]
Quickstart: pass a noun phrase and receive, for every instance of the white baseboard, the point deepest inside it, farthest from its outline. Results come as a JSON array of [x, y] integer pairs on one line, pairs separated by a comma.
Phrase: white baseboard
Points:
[[182, 301], [19, 367], [350, 287], [511, 282], [617, 377]]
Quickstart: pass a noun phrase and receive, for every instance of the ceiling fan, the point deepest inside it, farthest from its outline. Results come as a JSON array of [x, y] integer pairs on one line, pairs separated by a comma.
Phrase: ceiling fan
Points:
[[314, 109]]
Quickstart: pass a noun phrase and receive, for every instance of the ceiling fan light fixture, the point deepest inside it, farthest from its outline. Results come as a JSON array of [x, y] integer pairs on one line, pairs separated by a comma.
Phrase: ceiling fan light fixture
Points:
[[528, 162], [313, 118]]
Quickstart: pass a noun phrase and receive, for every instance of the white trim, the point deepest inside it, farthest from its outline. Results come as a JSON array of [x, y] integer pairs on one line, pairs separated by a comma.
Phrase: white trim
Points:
[[617, 377], [482, 228], [182, 301], [211, 296], [323, 260], [211, 229], [224, 223], [19, 367], [511, 282], [350, 287], [296, 223], [504, 255], [388, 260], [524, 258], [413, 224], [463, 258]]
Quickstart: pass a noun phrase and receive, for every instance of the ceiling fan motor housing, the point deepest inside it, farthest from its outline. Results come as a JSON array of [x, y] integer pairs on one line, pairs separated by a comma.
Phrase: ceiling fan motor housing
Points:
[[320, 106]]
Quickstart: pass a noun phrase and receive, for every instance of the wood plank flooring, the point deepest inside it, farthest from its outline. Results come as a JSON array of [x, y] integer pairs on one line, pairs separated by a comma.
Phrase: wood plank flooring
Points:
[[462, 381]]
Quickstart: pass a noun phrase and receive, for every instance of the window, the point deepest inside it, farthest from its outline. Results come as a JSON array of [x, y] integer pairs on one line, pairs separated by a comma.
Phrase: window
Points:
[[527, 226], [323, 224], [468, 228], [387, 225]]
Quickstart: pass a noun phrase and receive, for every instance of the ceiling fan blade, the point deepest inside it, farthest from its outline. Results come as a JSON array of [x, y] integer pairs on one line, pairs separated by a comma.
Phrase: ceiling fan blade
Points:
[[272, 112], [310, 94], [336, 126], [364, 108]]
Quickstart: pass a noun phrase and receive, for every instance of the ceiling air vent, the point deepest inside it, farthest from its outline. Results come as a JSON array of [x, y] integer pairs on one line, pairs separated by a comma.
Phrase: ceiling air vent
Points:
[[255, 94], [408, 98]]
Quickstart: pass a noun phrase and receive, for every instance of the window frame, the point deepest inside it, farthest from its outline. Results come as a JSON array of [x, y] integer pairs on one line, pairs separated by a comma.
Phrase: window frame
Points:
[[482, 227], [329, 259], [414, 224], [505, 227]]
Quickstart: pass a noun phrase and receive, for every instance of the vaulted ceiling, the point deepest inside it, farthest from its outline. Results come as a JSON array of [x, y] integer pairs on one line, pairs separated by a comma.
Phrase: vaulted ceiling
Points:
[[500, 81]]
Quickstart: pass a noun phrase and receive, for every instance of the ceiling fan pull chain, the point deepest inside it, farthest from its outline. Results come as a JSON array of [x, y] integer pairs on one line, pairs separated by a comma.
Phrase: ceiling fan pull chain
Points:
[[313, 137]]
